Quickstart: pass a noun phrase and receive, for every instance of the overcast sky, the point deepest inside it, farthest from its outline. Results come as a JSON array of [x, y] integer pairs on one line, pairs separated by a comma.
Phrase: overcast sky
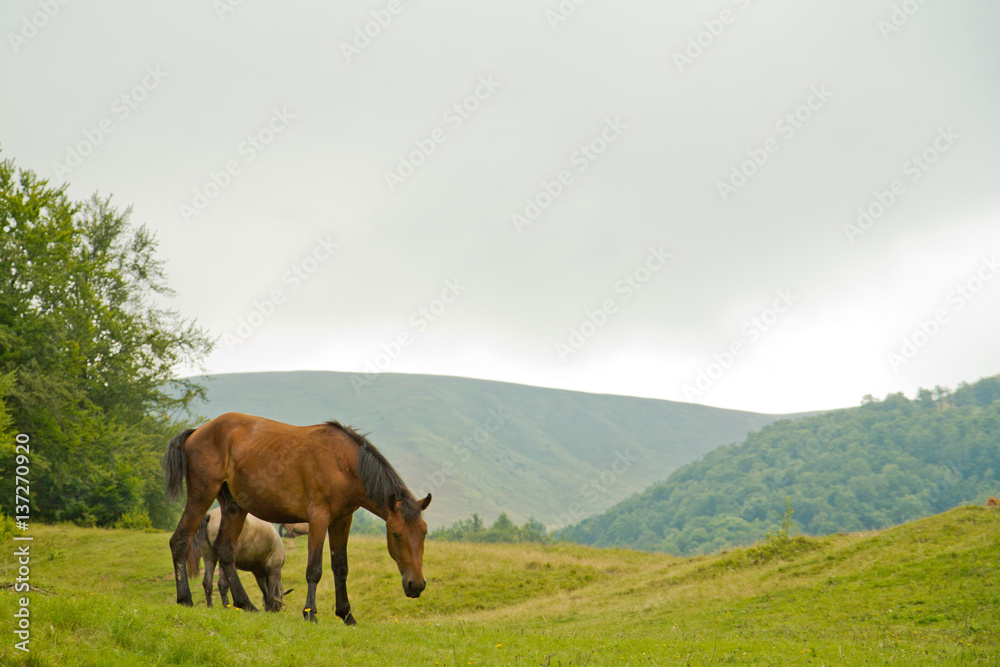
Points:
[[636, 197]]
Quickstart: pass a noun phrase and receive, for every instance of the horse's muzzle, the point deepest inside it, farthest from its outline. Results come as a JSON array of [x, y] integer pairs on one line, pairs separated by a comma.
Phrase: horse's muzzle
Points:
[[413, 589]]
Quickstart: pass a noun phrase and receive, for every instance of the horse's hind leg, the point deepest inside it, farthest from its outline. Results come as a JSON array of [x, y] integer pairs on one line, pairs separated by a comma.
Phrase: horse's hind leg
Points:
[[230, 528], [198, 501]]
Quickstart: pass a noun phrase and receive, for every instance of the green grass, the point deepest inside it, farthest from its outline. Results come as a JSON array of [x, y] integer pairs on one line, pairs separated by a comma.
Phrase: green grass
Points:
[[926, 592]]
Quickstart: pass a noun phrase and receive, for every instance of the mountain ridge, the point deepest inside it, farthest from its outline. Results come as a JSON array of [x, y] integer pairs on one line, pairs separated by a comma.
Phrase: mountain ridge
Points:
[[487, 446]]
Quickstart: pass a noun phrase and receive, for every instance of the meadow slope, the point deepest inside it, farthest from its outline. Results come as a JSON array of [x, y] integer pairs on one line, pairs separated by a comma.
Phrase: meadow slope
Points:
[[920, 593]]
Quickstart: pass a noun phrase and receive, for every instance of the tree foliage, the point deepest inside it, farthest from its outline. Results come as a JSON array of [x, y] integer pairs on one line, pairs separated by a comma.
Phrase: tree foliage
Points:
[[90, 351], [503, 529], [863, 468]]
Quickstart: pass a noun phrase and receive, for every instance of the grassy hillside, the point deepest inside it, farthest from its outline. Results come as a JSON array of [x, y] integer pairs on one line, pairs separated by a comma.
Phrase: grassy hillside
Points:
[[864, 468], [488, 447], [922, 593]]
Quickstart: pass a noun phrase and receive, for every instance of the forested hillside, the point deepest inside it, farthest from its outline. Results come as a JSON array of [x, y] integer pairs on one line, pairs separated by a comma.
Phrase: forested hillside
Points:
[[862, 468]]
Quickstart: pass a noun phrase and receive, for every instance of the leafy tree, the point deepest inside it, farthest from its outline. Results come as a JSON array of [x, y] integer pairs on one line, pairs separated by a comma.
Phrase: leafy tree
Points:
[[364, 524], [91, 350], [925, 397]]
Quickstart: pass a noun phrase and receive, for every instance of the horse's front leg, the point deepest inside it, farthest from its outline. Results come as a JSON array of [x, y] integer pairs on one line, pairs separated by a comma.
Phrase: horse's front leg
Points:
[[339, 532], [209, 577], [269, 602], [314, 568], [223, 589]]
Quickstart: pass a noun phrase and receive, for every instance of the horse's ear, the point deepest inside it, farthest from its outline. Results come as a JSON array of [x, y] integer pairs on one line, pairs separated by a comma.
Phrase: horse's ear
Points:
[[425, 502], [287, 592], [392, 502]]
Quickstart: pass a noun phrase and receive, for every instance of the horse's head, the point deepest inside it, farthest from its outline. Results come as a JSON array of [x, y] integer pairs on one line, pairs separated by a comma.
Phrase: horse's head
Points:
[[405, 531], [274, 598], [276, 601]]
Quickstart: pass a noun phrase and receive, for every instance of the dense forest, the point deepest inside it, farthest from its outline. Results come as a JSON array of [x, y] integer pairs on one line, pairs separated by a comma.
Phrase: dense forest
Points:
[[876, 465], [88, 356]]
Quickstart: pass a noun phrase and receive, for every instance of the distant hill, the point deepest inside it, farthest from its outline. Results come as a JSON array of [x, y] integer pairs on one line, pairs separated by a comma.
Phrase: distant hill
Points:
[[862, 468], [489, 447]]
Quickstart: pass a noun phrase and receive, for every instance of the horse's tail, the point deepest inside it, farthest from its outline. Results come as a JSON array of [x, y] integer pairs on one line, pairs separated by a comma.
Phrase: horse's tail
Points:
[[201, 537], [194, 558], [175, 463]]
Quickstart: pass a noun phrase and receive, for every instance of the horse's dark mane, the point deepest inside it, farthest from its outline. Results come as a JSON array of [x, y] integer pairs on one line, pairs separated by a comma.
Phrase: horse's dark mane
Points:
[[379, 479]]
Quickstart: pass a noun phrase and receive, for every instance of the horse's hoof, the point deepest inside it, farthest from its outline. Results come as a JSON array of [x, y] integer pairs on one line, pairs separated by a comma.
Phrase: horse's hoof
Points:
[[186, 603], [309, 615], [350, 619]]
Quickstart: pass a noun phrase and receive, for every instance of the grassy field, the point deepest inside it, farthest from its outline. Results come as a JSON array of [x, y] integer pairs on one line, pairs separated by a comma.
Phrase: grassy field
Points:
[[922, 593]]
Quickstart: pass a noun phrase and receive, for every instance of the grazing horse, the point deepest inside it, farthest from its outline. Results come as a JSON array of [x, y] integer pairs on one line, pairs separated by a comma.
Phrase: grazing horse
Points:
[[258, 550], [293, 530], [287, 474]]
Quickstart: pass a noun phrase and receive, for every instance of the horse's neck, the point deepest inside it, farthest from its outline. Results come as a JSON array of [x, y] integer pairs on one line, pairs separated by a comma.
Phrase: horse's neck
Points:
[[381, 512]]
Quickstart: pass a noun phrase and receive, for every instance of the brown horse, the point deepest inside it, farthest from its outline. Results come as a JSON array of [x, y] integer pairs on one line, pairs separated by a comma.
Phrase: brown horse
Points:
[[288, 474], [258, 550]]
